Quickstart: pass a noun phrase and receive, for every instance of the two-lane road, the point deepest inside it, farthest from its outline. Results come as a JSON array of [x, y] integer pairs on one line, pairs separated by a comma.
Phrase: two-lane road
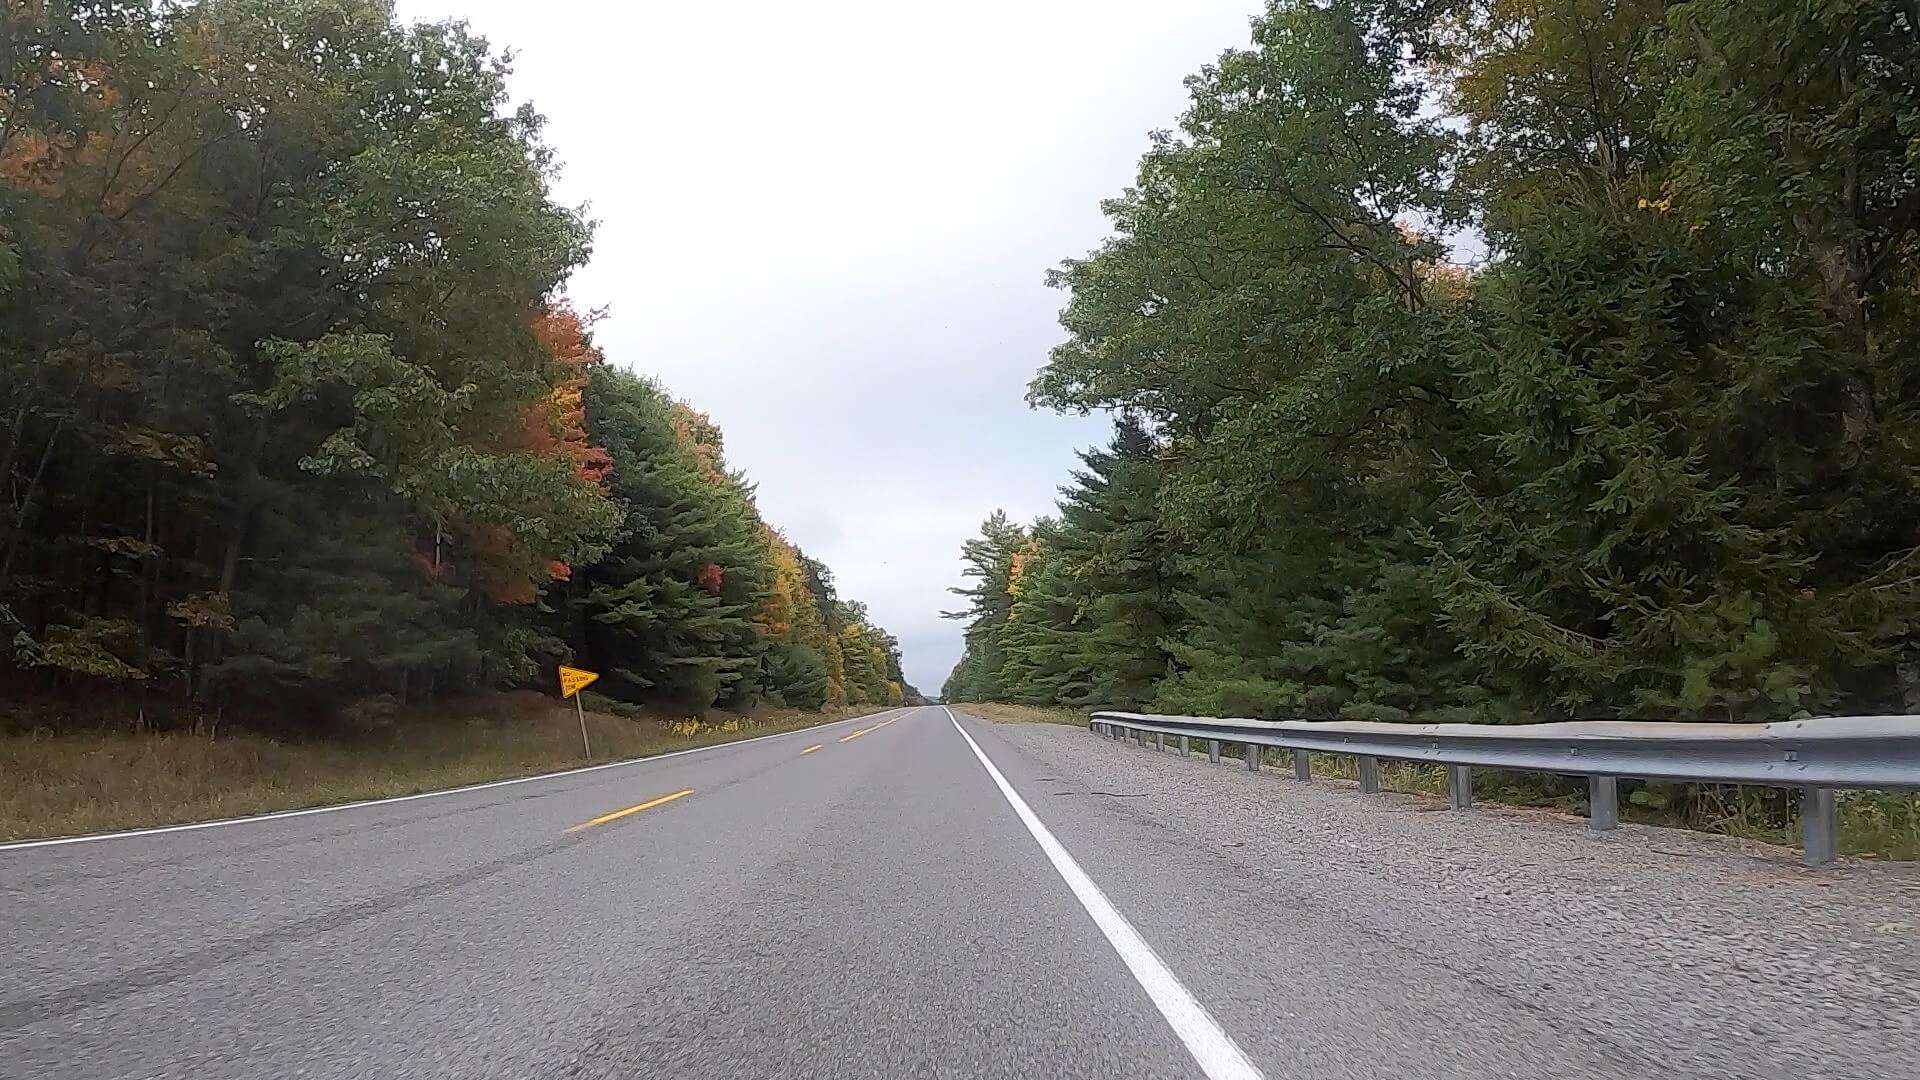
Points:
[[857, 900], [912, 894]]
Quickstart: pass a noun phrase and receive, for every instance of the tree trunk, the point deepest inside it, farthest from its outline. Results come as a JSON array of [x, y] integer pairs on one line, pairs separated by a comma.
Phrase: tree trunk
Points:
[[242, 512], [26, 504]]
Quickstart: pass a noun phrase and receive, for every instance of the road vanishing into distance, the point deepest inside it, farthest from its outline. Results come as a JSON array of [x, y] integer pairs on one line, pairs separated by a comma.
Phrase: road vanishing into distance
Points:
[[920, 893]]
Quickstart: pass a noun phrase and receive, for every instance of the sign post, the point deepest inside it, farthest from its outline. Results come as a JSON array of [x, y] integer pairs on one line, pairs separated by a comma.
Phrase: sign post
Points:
[[572, 681]]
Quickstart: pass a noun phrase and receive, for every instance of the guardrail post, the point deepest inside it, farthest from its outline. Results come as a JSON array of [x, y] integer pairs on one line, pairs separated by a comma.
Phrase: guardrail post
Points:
[[1302, 766], [1186, 746], [1369, 775], [1459, 786], [1160, 741], [1253, 757], [1213, 751], [1603, 803], [1819, 833]]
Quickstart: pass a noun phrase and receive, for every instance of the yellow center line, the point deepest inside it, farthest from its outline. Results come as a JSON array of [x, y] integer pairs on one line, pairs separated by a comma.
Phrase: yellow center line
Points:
[[811, 749], [865, 730], [634, 809]]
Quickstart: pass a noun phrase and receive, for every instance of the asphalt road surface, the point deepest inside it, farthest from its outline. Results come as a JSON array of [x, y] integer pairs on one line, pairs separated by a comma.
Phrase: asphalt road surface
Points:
[[915, 895]]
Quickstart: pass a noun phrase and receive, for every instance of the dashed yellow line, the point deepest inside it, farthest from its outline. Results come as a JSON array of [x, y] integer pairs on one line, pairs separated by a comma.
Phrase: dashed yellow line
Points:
[[867, 730], [811, 749], [634, 809]]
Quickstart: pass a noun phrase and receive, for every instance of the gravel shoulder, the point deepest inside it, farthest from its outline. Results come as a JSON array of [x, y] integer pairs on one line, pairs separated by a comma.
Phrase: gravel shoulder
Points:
[[1460, 943]]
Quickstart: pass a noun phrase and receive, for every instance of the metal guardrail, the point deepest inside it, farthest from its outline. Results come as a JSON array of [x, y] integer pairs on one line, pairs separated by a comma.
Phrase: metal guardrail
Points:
[[1816, 756]]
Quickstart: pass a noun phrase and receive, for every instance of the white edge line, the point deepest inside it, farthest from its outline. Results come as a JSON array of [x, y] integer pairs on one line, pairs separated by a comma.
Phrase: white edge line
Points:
[[190, 826], [1212, 1048]]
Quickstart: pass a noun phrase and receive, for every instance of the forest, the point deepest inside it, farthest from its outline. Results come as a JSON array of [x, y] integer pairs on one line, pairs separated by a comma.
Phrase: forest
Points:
[[295, 419], [1489, 361]]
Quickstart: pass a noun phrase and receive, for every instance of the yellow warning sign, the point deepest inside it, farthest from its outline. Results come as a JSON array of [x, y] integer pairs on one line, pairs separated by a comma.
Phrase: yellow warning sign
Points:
[[573, 680]]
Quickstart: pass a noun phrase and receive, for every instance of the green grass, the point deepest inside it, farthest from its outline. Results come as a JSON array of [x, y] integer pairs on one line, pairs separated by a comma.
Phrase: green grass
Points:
[[60, 784]]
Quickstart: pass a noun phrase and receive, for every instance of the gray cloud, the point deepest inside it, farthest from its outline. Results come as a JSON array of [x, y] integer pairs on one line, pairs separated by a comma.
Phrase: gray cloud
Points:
[[829, 232]]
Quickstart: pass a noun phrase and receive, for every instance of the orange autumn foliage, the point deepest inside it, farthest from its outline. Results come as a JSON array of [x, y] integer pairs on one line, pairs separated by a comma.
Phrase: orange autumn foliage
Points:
[[495, 571], [552, 426], [35, 162], [108, 141], [556, 425]]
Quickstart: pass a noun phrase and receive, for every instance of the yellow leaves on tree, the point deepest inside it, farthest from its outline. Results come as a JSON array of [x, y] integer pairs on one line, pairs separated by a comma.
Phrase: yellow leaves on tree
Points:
[[206, 610], [790, 612], [1018, 563], [700, 435], [836, 671]]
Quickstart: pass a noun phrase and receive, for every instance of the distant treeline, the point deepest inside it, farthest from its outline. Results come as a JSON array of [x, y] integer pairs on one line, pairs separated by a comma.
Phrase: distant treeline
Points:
[[1655, 454], [291, 415]]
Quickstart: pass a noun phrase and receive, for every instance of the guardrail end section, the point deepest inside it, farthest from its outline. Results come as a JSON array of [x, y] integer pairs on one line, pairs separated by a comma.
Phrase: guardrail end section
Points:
[[1819, 827]]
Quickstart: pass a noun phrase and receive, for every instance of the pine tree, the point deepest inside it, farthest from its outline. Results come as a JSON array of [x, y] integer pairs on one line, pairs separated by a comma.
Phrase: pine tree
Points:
[[669, 610], [1042, 637], [1113, 532], [988, 560]]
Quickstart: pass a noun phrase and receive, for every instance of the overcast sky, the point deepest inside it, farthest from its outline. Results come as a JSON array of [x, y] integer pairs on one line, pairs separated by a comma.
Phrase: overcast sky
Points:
[[826, 224]]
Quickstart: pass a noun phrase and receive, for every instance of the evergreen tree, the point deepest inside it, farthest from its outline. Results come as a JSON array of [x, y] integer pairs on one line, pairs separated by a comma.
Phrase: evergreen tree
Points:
[[1042, 639], [670, 608], [1112, 529], [988, 560]]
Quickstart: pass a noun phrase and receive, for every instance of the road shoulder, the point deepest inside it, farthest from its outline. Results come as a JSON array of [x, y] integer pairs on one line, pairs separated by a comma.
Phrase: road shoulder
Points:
[[1414, 930]]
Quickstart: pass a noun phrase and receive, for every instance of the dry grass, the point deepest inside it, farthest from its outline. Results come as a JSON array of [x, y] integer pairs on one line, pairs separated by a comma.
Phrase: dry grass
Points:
[[1023, 714], [52, 785]]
